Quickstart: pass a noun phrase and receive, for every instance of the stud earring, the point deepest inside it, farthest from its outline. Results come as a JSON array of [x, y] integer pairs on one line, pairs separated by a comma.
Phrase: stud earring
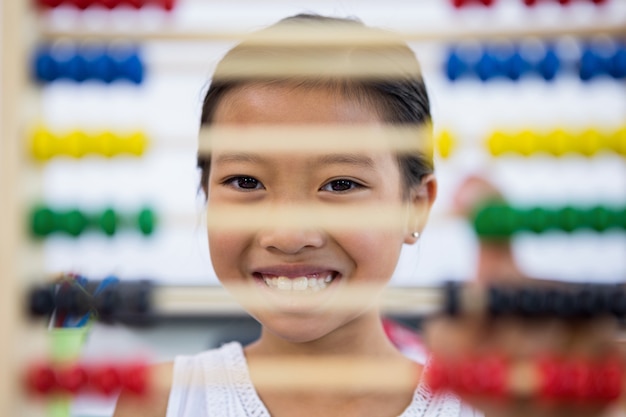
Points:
[[415, 235]]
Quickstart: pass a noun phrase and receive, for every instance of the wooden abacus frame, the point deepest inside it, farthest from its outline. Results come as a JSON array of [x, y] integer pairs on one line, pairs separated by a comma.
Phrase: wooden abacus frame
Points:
[[12, 320]]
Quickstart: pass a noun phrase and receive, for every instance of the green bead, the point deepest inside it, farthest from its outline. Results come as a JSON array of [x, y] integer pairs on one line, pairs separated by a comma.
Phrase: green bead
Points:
[[539, 220], [570, 219], [43, 222], [73, 222], [497, 221], [108, 222], [146, 221], [599, 218], [619, 218]]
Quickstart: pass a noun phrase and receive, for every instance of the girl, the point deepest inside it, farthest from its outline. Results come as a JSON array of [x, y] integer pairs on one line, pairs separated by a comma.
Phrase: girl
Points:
[[295, 279]]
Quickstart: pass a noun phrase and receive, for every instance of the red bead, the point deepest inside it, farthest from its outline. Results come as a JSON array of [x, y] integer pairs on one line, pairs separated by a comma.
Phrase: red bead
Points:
[[137, 4], [551, 378], [105, 379], [72, 379], [458, 3], [168, 4], [135, 378], [437, 375], [81, 4], [607, 380], [482, 376], [41, 379], [110, 4]]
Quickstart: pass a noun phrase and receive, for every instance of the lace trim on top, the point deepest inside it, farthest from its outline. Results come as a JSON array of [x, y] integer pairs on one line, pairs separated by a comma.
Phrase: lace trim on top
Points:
[[424, 403]]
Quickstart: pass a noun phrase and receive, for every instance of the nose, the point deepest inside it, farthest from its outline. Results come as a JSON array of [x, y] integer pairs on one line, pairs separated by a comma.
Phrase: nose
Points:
[[291, 241]]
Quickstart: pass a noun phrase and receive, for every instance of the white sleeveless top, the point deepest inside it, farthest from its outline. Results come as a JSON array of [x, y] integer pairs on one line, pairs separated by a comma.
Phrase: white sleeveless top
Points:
[[192, 395]]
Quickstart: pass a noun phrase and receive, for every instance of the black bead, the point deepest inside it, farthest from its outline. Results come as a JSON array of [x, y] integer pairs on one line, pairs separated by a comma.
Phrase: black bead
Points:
[[500, 302], [41, 302], [560, 303], [452, 301]]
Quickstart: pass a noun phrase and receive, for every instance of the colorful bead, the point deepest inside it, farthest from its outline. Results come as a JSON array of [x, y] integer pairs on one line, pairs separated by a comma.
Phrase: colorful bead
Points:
[[46, 145], [41, 379], [498, 61], [83, 63], [109, 4], [46, 221], [446, 143]]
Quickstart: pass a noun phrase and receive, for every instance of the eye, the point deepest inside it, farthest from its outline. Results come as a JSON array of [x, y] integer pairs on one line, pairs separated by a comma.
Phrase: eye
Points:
[[244, 183], [341, 185]]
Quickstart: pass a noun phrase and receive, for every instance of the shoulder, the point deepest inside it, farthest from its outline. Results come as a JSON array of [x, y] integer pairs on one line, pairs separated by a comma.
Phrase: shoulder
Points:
[[154, 402]]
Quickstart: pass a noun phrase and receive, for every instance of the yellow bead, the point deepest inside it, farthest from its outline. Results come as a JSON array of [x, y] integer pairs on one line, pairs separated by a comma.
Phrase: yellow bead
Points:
[[589, 142], [526, 142], [446, 143], [43, 144], [136, 144], [499, 143], [106, 144], [75, 144], [618, 141], [558, 142]]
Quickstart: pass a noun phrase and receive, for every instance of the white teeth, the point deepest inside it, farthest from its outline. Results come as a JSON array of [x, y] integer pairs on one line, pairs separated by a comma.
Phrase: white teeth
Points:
[[298, 283], [284, 283]]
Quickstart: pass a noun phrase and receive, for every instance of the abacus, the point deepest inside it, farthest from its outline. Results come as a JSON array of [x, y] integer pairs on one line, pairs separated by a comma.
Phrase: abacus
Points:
[[62, 58]]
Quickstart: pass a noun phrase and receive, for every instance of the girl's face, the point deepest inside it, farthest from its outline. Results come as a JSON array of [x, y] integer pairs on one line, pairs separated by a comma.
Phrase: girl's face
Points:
[[298, 274]]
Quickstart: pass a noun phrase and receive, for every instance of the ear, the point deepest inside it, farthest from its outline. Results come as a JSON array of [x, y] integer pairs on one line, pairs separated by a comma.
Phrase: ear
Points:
[[421, 200]]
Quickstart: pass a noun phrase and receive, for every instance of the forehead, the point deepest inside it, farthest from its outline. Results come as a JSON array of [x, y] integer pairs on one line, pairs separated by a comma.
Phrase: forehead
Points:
[[286, 104]]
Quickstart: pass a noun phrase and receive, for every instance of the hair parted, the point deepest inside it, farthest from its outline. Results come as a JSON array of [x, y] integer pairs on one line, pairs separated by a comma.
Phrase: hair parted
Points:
[[398, 95]]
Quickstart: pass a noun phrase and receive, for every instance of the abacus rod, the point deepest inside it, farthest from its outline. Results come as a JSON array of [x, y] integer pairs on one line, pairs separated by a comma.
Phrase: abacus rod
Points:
[[337, 37], [316, 139], [197, 300]]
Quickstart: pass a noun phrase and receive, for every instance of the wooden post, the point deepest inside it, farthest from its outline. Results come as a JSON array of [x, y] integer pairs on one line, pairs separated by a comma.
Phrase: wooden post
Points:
[[13, 323]]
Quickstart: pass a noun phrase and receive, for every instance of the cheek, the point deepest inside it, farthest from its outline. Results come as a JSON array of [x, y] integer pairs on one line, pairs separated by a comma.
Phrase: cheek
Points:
[[375, 255], [227, 249]]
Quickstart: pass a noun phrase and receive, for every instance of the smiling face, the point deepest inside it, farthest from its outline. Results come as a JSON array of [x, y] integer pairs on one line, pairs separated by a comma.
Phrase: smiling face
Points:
[[300, 273]]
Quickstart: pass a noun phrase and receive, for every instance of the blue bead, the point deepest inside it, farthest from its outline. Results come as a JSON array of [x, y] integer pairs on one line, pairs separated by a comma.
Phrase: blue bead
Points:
[[45, 67], [590, 65], [515, 67], [75, 68], [617, 66], [455, 67], [128, 65], [550, 65], [102, 67], [487, 67]]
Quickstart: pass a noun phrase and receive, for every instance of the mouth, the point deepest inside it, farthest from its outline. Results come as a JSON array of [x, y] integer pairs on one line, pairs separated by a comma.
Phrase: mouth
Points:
[[303, 284]]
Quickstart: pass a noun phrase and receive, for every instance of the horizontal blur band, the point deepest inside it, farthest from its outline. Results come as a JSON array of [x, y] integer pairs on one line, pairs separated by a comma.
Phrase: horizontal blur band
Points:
[[344, 217], [316, 139]]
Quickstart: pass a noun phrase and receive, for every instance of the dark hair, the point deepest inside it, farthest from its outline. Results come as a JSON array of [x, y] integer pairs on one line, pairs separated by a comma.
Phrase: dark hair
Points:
[[398, 94]]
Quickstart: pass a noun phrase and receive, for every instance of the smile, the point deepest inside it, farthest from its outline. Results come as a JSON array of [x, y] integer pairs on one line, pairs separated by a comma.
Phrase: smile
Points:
[[306, 283]]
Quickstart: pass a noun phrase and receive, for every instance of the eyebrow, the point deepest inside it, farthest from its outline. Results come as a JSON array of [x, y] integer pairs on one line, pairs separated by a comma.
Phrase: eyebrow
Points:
[[238, 157], [347, 159]]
